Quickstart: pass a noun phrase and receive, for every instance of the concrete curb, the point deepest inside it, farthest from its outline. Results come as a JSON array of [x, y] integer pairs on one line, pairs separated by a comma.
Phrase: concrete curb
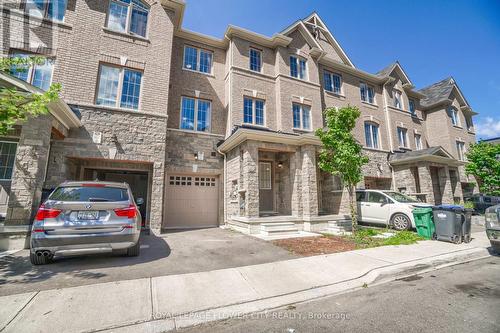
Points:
[[372, 277]]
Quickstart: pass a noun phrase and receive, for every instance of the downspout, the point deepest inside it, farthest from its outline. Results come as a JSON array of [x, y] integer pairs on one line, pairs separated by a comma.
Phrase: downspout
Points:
[[389, 130]]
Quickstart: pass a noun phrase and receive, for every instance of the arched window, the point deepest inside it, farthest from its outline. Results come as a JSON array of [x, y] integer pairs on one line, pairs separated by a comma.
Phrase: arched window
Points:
[[128, 16], [371, 135]]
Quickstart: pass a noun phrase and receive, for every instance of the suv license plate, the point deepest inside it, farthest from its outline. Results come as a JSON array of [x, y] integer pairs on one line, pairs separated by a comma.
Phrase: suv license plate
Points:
[[88, 215]]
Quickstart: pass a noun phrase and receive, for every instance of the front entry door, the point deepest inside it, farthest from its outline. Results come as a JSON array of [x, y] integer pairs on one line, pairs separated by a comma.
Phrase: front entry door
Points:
[[266, 197], [436, 187]]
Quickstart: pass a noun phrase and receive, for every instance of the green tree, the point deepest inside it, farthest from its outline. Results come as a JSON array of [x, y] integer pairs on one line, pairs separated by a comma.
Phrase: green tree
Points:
[[17, 106], [341, 154], [483, 162]]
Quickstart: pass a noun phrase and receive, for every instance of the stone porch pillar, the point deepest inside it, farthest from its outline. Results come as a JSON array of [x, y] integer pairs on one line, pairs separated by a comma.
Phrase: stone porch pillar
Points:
[[424, 174], [445, 184], [309, 182], [29, 170], [296, 182], [250, 179], [157, 196]]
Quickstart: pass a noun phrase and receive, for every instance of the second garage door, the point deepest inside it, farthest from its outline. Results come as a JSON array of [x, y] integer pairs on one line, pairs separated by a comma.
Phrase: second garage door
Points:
[[192, 201]]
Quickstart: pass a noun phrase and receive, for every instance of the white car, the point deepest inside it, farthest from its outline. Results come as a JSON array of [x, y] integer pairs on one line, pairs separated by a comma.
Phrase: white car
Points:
[[387, 207]]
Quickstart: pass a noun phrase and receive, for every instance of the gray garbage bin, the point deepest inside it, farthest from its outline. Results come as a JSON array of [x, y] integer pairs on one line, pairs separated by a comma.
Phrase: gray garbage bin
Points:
[[448, 222], [466, 225]]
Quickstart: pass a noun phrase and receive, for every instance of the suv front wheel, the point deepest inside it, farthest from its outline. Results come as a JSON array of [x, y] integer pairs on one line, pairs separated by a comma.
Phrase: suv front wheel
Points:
[[400, 222]]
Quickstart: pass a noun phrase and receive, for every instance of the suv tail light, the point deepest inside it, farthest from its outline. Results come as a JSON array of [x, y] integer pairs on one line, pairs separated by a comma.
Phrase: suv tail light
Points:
[[129, 212], [47, 213]]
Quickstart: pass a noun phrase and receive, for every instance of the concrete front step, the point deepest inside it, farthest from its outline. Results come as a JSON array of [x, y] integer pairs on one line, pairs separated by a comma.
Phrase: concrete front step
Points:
[[339, 228], [281, 228]]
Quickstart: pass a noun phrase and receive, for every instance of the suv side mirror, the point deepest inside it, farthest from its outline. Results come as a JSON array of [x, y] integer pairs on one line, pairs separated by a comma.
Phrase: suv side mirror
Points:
[[139, 201]]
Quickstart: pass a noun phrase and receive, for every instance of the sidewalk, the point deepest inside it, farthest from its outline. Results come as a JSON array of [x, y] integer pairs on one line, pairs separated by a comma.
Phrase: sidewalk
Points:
[[164, 303]]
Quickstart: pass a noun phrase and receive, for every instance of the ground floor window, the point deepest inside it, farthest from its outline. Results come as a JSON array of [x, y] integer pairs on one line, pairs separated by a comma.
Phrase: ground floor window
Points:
[[7, 156]]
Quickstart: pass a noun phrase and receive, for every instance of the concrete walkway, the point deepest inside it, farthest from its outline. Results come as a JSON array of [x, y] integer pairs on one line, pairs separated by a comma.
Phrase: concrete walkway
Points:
[[170, 302]]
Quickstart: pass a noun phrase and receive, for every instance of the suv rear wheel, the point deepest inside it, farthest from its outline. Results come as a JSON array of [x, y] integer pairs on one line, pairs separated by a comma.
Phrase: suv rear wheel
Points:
[[135, 250], [400, 222]]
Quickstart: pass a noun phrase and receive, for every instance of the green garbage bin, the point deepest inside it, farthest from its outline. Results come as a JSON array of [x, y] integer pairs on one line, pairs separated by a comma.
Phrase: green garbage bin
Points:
[[424, 222]]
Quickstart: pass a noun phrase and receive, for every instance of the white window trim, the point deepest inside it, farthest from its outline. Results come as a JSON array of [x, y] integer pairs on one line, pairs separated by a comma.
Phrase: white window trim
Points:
[[254, 114], [128, 21], [414, 113], [367, 95], [460, 152], [454, 111], [418, 143], [270, 178], [405, 131], [31, 69], [341, 92], [250, 59], [119, 88], [198, 60], [401, 107], [195, 124], [45, 15], [301, 128], [371, 133], [306, 78], [15, 154]]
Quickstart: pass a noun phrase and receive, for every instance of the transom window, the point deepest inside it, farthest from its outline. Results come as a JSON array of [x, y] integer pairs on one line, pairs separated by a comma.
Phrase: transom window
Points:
[[128, 16], [50, 9], [39, 75], [253, 111], [453, 113], [371, 135], [255, 60], [195, 114], [7, 157], [197, 59], [265, 175], [333, 82], [461, 150], [301, 116], [418, 142], [411, 104], [119, 87], [367, 93], [298, 67], [403, 137], [398, 99]]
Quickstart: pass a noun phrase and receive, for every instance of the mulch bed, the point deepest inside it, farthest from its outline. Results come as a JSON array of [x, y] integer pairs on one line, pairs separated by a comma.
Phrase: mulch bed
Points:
[[311, 246]]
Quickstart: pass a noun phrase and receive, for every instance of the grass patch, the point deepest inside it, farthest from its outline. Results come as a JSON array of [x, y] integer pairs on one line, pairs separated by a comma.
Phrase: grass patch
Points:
[[364, 238]]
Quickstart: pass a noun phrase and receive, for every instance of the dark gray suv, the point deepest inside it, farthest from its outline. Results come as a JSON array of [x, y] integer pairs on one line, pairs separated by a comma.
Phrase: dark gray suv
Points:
[[84, 218], [492, 218]]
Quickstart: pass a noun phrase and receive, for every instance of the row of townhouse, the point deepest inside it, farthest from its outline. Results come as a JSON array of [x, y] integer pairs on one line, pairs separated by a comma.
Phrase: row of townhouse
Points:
[[215, 131]]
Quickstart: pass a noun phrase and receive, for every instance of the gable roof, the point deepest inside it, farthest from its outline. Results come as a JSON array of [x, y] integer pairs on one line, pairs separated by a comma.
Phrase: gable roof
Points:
[[395, 66], [440, 92], [433, 154], [314, 20]]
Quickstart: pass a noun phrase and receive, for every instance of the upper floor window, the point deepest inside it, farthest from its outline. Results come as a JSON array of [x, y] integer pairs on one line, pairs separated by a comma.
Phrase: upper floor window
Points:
[[461, 150], [197, 59], [39, 75], [453, 113], [301, 116], [7, 157], [128, 16], [398, 99], [411, 104], [119, 87], [418, 142], [403, 137], [195, 114], [333, 82], [51, 9], [298, 67], [367, 93], [468, 122], [253, 111], [371, 135], [255, 60]]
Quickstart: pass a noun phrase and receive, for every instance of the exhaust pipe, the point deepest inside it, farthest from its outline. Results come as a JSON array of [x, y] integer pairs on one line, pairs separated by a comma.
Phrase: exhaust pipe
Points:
[[39, 253], [46, 253]]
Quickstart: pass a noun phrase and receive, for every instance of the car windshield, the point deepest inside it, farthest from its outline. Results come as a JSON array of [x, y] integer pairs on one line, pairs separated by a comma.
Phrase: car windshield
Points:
[[399, 197], [89, 193]]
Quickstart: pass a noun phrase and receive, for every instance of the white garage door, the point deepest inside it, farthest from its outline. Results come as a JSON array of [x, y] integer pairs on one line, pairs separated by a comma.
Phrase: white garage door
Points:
[[192, 201]]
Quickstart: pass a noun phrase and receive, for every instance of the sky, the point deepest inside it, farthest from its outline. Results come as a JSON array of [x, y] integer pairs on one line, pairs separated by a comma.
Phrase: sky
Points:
[[431, 39]]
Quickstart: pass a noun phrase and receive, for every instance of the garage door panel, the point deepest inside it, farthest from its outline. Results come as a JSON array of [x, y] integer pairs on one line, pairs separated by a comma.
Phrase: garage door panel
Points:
[[191, 201]]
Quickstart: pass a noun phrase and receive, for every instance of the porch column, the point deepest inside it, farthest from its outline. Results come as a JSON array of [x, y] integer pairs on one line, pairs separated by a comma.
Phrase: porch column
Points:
[[250, 179], [29, 170], [309, 182], [445, 184], [296, 182], [424, 173], [157, 196]]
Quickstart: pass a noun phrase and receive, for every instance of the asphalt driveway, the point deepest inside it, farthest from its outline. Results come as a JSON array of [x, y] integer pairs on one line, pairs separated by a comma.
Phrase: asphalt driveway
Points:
[[172, 253]]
